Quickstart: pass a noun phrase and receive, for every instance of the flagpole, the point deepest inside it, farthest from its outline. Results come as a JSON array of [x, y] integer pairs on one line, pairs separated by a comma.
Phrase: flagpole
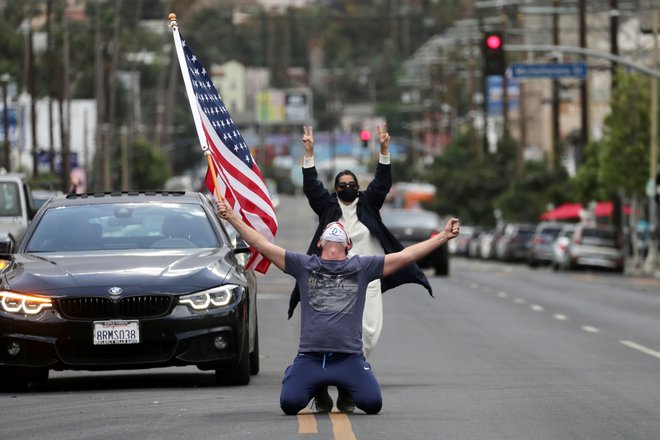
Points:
[[193, 106]]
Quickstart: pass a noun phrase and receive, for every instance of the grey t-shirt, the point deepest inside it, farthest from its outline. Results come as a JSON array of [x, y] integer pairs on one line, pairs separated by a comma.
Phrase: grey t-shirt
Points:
[[332, 295]]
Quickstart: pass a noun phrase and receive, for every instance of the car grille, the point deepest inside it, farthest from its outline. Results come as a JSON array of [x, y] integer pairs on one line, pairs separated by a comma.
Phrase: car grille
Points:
[[146, 306]]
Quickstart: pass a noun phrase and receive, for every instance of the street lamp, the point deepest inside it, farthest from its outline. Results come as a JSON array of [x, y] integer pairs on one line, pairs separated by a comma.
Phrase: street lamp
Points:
[[4, 80]]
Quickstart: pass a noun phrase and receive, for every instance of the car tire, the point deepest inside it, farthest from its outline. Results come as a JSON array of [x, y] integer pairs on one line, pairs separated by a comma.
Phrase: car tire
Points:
[[237, 374], [442, 267], [254, 356]]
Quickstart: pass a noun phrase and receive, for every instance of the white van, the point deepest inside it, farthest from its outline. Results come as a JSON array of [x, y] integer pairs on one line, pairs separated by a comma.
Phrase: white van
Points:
[[16, 207]]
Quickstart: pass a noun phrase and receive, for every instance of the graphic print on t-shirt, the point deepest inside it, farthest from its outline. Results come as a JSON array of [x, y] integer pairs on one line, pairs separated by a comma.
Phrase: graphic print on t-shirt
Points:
[[333, 293]]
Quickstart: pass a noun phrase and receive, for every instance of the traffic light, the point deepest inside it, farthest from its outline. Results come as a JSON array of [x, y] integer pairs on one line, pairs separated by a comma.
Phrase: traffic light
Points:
[[493, 52], [365, 135]]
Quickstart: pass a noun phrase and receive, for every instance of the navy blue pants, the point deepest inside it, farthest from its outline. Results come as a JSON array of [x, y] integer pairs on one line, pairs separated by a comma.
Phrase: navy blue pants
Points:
[[309, 372]]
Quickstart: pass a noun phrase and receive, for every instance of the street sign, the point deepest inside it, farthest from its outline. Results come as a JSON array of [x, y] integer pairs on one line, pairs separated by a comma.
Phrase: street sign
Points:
[[549, 70]]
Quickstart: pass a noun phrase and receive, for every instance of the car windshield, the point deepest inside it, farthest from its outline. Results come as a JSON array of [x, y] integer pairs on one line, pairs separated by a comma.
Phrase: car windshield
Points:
[[123, 226], [411, 219], [10, 203], [551, 232], [599, 237], [525, 233]]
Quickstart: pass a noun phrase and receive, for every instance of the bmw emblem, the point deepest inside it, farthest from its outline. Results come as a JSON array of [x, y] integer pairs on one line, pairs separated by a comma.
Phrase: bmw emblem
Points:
[[115, 291]]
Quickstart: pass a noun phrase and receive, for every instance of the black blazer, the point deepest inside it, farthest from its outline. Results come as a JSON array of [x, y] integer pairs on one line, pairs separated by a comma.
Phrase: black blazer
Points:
[[326, 206]]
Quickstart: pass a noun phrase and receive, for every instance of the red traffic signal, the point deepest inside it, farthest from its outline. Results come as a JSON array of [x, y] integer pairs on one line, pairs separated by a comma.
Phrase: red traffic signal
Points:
[[365, 135], [494, 61], [494, 41]]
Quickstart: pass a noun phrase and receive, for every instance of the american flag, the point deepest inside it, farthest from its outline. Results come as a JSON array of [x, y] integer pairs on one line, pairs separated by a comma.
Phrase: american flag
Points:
[[238, 175]]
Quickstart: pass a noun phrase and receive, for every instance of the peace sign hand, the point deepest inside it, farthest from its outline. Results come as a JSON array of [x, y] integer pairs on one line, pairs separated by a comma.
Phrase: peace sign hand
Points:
[[383, 138], [308, 140]]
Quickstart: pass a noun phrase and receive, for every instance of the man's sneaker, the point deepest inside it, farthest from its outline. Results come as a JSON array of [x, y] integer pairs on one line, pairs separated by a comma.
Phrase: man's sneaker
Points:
[[322, 400], [345, 402]]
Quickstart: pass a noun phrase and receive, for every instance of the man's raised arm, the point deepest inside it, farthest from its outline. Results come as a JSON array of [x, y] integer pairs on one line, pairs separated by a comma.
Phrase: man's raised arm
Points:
[[275, 254], [399, 260]]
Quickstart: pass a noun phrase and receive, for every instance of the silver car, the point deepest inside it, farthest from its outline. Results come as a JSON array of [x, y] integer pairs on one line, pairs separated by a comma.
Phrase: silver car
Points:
[[596, 246], [560, 246]]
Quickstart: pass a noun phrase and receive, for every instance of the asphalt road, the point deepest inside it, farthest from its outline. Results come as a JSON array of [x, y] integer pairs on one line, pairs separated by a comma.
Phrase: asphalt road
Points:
[[501, 352]]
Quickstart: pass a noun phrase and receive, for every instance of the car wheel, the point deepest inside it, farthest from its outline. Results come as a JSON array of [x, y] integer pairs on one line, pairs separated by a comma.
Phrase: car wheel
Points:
[[442, 267], [238, 373], [254, 356]]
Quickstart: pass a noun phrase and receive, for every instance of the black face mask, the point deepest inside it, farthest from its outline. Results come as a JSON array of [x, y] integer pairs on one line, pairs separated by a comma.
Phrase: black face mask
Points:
[[347, 195]]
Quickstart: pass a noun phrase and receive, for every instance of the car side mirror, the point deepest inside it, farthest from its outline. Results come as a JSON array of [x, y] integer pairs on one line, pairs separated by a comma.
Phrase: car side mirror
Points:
[[241, 246], [6, 246]]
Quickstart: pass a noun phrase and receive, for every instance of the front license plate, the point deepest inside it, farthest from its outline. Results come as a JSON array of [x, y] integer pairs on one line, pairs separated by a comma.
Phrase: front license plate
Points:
[[116, 332]]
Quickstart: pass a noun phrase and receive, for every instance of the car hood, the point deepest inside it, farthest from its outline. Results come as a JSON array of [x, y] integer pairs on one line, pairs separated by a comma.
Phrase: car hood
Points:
[[135, 272], [411, 233]]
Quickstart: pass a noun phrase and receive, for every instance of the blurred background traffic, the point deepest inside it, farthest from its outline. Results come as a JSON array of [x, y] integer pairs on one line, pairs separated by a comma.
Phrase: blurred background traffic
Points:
[[524, 118]]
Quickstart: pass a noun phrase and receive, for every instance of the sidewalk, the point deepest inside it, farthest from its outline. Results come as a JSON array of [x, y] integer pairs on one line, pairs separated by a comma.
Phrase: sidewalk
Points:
[[637, 270]]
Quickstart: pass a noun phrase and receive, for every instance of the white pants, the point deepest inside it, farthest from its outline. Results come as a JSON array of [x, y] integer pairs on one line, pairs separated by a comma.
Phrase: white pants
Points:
[[372, 320]]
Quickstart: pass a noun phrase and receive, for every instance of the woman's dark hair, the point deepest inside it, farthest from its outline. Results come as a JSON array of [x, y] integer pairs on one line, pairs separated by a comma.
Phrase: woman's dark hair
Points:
[[344, 173]]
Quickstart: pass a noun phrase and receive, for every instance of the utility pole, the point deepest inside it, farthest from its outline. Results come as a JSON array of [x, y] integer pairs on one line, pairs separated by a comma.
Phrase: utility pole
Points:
[[32, 84], [556, 129], [65, 110], [614, 40], [100, 96], [652, 257], [49, 95], [112, 134], [4, 79], [505, 82], [584, 95]]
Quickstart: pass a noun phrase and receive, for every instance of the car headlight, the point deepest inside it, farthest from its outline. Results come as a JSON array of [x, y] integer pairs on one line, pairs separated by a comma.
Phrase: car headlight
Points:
[[210, 299], [12, 302]]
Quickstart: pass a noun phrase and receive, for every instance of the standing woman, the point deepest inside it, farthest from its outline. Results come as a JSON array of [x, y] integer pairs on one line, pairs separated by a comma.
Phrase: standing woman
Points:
[[358, 212]]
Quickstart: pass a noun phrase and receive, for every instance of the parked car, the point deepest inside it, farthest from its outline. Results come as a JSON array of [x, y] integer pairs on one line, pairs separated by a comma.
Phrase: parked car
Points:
[[595, 246], [123, 281], [413, 226], [512, 244], [560, 246], [41, 196], [16, 208], [486, 245], [474, 245], [460, 244], [540, 244]]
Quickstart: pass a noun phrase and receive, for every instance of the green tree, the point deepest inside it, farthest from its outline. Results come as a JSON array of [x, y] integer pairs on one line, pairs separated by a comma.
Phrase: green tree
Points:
[[586, 185], [468, 183], [149, 167], [623, 160]]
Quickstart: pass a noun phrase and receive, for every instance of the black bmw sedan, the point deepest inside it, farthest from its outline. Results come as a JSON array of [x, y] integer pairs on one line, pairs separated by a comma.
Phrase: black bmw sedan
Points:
[[128, 280]]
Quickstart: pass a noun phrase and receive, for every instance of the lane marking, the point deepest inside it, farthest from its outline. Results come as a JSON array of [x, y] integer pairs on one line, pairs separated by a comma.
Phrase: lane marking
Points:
[[560, 317], [590, 329], [307, 423], [537, 308], [502, 294], [519, 300], [641, 348], [341, 426]]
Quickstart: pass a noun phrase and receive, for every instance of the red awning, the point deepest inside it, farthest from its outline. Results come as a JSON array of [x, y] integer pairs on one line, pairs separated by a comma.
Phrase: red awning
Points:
[[563, 212], [569, 211]]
